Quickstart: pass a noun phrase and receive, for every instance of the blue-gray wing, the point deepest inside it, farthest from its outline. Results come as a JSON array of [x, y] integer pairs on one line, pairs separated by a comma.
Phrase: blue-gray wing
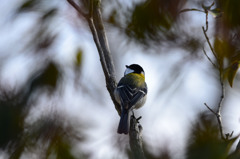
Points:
[[129, 95]]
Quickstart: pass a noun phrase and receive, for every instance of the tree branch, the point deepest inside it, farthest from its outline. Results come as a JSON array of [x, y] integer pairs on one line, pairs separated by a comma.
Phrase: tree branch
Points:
[[78, 9], [110, 71], [219, 119], [95, 22], [101, 42], [209, 59], [135, 136], [217, 113], [219, 107], [209, 44]]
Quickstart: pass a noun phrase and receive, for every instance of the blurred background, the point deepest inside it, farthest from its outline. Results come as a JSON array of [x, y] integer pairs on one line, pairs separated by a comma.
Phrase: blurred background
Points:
[[53, 97]]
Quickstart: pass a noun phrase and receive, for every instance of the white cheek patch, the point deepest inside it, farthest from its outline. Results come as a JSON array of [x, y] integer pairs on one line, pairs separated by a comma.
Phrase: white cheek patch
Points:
[[127, 71]]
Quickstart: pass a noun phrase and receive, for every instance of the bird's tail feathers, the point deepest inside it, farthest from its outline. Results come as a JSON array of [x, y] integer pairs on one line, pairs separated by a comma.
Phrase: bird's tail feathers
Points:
[[123, 124]]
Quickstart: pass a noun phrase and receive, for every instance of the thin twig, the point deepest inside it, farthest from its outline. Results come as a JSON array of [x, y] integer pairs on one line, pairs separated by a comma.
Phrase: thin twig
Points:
[[209, 59], [79, 10], [219, 119], [210, 109], [217, 113], [209, 44], [191, 9], [206, 22], [206, 10]]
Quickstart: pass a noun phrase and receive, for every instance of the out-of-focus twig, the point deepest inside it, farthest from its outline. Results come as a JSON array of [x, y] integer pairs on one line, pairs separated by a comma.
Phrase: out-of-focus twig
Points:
[[78, 9], [209, 59], [206, 10], [209, 44], [191, 9], [218, 66], [219, 119]]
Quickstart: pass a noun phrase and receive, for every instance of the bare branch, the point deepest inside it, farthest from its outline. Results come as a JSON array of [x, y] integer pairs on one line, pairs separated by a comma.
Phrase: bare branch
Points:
[[78, 9], [219, 119], [219, 106], [209, 44], [209, 59], [191, 9], [98, 22], [210, 109], [206, 10], [205, 30], [94, 19], [217, 113], [106, 56], [95, 22], [135, 136]]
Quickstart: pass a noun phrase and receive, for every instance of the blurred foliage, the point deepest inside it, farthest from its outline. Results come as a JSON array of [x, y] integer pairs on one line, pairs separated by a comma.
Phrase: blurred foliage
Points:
[[13, 105], [151, 17], [28, 5], [162, 154], [204, 141], [227, 39], [236, 153], [157, 23], [226, 45], [42, 37], [79, 57], [231, 12], [153, 20], [50, 136], [231, 71], [11, 119], [152, 23], [48, 77]]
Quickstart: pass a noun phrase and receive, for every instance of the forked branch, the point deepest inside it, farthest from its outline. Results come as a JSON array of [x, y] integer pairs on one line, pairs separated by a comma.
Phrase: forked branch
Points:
[[218, 66]]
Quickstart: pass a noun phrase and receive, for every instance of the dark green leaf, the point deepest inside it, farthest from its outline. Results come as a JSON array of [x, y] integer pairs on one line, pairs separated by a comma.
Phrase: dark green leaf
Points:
[[27, 5], [231, 72], [79, 58]]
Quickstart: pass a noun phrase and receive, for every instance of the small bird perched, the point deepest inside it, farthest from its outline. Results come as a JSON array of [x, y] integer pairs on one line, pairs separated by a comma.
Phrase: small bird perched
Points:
[[131, 93]]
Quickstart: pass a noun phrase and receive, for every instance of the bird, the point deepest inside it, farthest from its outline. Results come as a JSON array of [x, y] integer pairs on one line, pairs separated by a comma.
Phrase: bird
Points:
[[130, 93]]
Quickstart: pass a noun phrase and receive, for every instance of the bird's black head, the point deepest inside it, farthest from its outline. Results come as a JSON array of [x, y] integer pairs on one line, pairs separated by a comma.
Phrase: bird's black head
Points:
[[134, 68]]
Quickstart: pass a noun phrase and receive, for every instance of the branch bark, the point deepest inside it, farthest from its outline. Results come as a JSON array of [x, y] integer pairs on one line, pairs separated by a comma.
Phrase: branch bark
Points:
[[94, 19], [95, 22], [107, 62], [135, 136]]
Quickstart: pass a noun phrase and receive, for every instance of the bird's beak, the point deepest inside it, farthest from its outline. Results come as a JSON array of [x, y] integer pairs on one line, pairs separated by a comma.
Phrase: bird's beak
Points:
[[127, 66]]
